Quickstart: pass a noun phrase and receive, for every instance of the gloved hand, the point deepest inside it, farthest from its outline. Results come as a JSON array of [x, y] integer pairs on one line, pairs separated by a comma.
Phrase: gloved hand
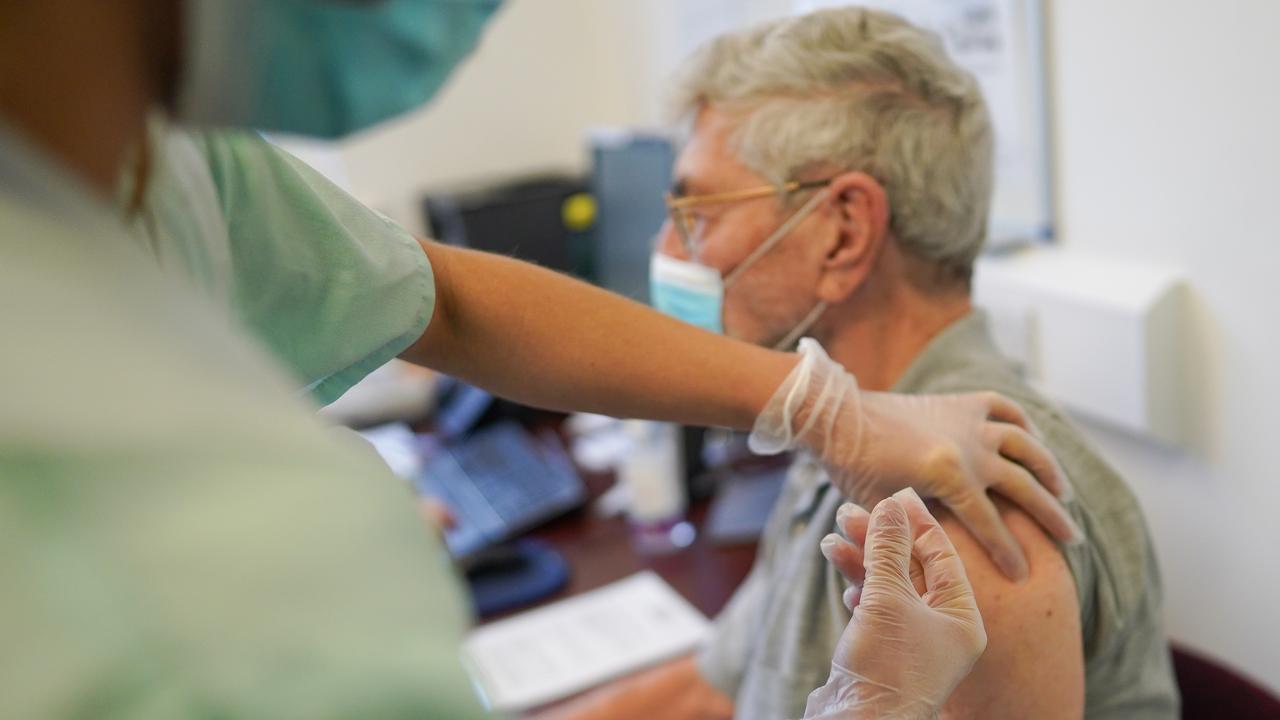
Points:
[[950, 447], [904, 651]]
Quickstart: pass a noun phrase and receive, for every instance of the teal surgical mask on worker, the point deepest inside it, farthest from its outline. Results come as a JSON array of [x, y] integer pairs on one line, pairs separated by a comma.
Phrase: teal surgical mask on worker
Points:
[[324, 68], [694, 293]]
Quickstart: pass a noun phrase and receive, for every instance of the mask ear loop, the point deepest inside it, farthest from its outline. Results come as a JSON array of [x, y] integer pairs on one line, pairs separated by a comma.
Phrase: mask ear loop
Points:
[[791, 338], [775, 238]]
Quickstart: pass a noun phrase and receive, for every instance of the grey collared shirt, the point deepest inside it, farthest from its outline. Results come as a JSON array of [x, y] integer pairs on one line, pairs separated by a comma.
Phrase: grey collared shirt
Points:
[[772, 644]]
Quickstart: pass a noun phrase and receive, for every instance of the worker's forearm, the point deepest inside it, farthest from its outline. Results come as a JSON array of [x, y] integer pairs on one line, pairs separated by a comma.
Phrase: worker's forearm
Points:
[[543, 339]]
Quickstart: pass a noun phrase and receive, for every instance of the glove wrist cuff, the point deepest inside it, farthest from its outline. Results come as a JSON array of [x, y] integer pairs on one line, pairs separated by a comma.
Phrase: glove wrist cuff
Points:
[[804, 408], [850, 696]]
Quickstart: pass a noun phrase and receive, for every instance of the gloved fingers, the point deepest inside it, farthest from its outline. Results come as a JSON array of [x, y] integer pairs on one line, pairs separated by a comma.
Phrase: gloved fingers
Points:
[[852, 596], [1017, 485], [944, 573], [917, 575], [888, 554], [852, 521], [1002, 409], [978, 514], [1023, 448], [846, 553], [845, 556]]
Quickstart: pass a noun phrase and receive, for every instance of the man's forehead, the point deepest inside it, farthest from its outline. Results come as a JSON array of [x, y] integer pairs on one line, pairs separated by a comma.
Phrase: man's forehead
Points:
[[707, 162]]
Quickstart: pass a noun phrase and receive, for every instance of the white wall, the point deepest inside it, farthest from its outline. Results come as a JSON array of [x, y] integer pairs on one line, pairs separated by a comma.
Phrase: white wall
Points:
[[1166, 119], [1167, 116]]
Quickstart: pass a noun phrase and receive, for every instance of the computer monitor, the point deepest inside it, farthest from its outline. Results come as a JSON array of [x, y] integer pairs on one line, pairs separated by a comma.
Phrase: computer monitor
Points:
[[524, 218], [631, 170]]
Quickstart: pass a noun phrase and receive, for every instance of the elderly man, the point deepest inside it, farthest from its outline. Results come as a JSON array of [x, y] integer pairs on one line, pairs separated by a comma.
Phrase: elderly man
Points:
[[837, 178]]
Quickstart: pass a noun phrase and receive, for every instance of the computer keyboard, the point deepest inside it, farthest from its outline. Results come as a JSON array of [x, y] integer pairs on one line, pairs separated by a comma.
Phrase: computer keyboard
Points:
[[499, 482]]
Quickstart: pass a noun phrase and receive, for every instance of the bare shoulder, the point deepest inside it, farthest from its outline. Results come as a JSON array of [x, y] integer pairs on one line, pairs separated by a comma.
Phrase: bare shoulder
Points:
[[1034, 662]]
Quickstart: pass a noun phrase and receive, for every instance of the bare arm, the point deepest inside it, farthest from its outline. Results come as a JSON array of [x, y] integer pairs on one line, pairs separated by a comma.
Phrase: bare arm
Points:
[[1033, 664], [674, 691], [543, 339], [1016, 677], [581, 348]]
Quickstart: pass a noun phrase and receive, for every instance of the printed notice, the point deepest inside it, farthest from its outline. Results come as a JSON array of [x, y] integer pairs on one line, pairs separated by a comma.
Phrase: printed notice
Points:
[[556, 651]]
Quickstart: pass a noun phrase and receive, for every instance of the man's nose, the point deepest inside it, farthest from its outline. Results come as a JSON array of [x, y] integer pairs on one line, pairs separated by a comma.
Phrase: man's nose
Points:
[[669, 242]]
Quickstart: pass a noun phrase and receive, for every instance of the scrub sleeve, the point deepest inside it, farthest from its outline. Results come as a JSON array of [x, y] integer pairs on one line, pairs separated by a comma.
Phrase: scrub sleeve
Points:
[[331, 287]]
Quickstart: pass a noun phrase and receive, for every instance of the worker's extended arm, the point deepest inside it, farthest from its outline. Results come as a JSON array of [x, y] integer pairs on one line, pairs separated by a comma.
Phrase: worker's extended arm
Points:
[[546, 340], [543, 339]]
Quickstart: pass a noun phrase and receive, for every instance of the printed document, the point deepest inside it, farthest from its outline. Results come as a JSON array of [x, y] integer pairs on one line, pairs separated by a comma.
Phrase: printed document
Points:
[[553, 652]]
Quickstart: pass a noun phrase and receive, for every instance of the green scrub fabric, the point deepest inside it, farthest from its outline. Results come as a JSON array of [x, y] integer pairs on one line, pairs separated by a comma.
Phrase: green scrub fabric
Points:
[[180, 536], [330, 287]]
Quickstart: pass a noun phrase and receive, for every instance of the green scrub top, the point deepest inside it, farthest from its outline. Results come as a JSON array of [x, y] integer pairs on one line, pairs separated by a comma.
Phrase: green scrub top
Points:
[[180, 536], [330, 287]]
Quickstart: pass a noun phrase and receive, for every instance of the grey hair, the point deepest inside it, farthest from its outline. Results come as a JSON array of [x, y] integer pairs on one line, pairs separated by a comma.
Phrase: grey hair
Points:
[[863, 90]]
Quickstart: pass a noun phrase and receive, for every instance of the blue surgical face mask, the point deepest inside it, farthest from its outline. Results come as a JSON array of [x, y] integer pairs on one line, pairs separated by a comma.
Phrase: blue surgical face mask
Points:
[[688, 291], [694, 293], [325, 68]]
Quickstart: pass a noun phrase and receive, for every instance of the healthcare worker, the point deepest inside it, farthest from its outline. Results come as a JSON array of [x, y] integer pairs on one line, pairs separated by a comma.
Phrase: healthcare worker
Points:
[[178, 534]]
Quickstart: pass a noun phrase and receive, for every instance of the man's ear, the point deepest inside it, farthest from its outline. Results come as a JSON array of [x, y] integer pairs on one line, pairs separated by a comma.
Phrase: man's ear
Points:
[[860, 210]]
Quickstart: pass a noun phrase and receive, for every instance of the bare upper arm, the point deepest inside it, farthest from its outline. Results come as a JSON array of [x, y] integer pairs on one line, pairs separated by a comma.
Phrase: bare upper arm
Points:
[[1034, 663]]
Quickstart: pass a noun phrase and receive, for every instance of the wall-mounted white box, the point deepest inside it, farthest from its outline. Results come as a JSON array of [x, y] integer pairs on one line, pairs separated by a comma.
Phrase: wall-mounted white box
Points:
[[1099, 336]]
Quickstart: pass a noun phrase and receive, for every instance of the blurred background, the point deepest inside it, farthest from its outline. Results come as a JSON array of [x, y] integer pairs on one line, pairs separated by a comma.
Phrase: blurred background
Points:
[[1152, 143]]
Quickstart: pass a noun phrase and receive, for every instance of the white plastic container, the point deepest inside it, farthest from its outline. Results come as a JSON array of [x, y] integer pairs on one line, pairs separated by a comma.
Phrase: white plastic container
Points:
[[653, 474]]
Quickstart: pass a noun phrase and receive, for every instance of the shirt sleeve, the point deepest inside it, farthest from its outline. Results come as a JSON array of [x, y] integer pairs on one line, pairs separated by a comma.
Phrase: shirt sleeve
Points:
[[722, 660], [333, 288]]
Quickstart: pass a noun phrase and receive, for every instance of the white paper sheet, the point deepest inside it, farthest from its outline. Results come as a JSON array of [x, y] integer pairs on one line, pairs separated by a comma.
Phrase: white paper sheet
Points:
[[556, 651]]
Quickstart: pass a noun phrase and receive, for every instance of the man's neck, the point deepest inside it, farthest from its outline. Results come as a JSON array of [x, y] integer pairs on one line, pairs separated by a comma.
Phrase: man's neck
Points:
[[878, 340], [78, 90]]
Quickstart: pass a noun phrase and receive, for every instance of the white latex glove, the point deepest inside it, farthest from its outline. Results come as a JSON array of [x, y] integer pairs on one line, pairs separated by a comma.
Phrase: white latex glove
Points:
[[904, 651], [950, 447]]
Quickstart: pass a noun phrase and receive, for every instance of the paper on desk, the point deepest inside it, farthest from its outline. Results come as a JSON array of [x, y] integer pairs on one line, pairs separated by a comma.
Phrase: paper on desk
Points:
[[555, 651]]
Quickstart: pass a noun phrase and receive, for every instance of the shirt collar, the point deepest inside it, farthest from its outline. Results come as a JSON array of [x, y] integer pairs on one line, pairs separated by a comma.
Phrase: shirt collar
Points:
[[964, 338]]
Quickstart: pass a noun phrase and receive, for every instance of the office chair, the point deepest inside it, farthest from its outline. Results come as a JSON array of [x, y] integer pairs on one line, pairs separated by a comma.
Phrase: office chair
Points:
[[1212, 690]]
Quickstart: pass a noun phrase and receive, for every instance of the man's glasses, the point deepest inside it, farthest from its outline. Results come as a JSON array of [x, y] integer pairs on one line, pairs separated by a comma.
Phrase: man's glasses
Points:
[[681, 208]]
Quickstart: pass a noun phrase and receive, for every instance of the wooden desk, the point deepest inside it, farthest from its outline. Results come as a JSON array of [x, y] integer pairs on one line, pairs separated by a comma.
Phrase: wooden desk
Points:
[[599, 552]]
